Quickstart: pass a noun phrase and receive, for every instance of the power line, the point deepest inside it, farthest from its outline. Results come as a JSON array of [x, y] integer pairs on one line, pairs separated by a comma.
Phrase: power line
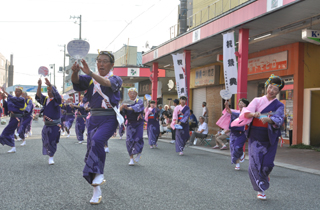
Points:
[[130, 23], [157, 23]]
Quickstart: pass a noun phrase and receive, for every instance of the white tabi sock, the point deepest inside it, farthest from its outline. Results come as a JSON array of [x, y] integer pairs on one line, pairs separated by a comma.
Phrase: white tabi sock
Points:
[[12, 150], [98, 179], [51, 162], [96, 195], [138, 157]]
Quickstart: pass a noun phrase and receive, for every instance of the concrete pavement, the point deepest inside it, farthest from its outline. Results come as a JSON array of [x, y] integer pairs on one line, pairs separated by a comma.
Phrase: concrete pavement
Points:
[[162, 180]]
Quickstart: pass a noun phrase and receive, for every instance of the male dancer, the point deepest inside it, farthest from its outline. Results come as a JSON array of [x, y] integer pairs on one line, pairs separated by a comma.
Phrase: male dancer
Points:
[[51, 117], [69, 116], [81, 115], [14, 106], [26, 119], [103, 93], [135, 124]]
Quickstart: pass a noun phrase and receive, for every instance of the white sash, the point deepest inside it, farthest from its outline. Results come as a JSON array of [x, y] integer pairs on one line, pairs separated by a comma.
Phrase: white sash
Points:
[[106, 102]]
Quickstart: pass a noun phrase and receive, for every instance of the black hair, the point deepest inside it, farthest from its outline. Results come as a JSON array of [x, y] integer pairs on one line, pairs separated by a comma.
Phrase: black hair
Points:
[[278, 81], [191, 111]]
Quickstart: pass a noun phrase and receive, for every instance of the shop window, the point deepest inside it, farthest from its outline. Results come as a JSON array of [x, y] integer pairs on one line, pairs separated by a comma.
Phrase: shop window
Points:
[[286, 97]]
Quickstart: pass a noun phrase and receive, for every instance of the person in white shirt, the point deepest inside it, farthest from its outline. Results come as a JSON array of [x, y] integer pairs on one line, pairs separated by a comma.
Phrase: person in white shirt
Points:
[[202, 131], [205, 111]]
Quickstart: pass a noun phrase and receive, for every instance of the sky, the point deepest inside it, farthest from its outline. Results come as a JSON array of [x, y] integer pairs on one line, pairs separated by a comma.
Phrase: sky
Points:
[[34, 31]]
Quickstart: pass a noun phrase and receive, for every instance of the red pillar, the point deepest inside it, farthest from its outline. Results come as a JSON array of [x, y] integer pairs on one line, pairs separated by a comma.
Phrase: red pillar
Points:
[[243, 50], [154, 81], [188, 66]]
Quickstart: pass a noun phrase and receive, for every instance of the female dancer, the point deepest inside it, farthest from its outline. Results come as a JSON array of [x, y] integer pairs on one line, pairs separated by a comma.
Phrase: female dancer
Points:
[[263, 133], [181, 116], [153, 127], [237, 135]]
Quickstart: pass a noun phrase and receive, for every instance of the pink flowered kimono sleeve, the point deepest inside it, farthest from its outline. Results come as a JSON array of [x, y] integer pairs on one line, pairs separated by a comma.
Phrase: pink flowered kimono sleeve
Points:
[[242, 121], [224, 120], [175, 116]]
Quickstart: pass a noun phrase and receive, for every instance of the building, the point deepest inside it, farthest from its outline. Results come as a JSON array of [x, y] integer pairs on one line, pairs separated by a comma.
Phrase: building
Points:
[[4, 70], [269, 40]]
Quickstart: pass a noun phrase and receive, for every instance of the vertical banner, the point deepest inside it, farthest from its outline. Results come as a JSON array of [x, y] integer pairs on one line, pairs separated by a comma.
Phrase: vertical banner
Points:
[[180, 73], [230, 65]]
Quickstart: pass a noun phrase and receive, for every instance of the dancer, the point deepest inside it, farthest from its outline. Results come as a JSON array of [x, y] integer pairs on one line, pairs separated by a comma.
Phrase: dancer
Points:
[[29, 126], [81, 115], [135, 123], [181, 116], [263, 133], [51, 117], [103, 93], [63, 116], [69, 115], [237, 134], [26, 119], [153, 127], [14, 106]]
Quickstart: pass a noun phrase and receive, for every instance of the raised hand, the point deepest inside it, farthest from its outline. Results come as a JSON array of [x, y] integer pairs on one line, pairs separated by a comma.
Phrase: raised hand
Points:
[[85, 67], [75, 67], [47, 82], [39, 82]]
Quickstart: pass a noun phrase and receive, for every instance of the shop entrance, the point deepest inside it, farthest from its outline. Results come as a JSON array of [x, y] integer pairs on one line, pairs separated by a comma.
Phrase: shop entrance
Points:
[[315, 119]]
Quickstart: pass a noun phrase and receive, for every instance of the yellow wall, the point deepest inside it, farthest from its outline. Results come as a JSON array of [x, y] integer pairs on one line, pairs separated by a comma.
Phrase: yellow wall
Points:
[[311, 66], [202, 13]]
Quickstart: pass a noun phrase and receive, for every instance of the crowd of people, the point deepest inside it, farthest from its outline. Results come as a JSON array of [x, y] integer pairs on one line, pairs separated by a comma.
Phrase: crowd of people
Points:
[[100, 113]]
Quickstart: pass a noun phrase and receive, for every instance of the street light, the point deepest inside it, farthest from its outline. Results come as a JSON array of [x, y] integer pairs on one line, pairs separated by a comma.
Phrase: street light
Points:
[[77, 17]]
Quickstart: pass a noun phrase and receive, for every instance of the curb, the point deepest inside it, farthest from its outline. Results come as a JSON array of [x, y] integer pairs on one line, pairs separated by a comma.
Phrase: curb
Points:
[[276, 163]]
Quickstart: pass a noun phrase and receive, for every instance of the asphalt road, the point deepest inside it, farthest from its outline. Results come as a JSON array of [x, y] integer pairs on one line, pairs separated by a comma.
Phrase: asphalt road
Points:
[[162, 180]]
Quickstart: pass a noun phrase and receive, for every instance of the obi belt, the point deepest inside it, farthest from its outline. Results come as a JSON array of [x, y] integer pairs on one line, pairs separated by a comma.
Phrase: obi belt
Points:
[[258, 123]]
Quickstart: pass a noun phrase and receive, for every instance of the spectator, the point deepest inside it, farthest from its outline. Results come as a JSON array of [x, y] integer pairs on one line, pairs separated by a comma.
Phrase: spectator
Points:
[[202, 131], [205, 111], [220, 136], [193, 123]]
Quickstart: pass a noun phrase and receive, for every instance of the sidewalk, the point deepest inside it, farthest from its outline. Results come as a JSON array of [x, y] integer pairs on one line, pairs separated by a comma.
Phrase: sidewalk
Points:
[[304, 160]]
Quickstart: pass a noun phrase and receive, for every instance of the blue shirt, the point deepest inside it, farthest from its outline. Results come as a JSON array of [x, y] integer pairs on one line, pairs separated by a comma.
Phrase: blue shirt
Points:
[[194, 119]]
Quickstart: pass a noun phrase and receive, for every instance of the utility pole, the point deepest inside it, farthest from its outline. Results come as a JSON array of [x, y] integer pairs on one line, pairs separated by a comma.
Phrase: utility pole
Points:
[[80, 28], [79, 17], [64, 65]]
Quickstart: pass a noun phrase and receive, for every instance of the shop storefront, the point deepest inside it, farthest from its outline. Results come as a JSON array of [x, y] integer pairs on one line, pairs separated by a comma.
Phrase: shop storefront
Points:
[[281, 61], [205, 85]]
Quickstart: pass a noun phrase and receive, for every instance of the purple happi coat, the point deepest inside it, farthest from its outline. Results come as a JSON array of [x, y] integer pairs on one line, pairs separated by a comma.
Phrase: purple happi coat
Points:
[[153, 127], [81, 116], [52, 110], [14, 105], [135, 124], [69, 117], [182, 114], [26, 120], [100, 128], [263, 139], [237, 139]]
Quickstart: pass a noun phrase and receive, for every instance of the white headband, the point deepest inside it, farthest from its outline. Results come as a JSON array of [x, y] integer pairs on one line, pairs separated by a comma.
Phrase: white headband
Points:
[[132, 89]]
